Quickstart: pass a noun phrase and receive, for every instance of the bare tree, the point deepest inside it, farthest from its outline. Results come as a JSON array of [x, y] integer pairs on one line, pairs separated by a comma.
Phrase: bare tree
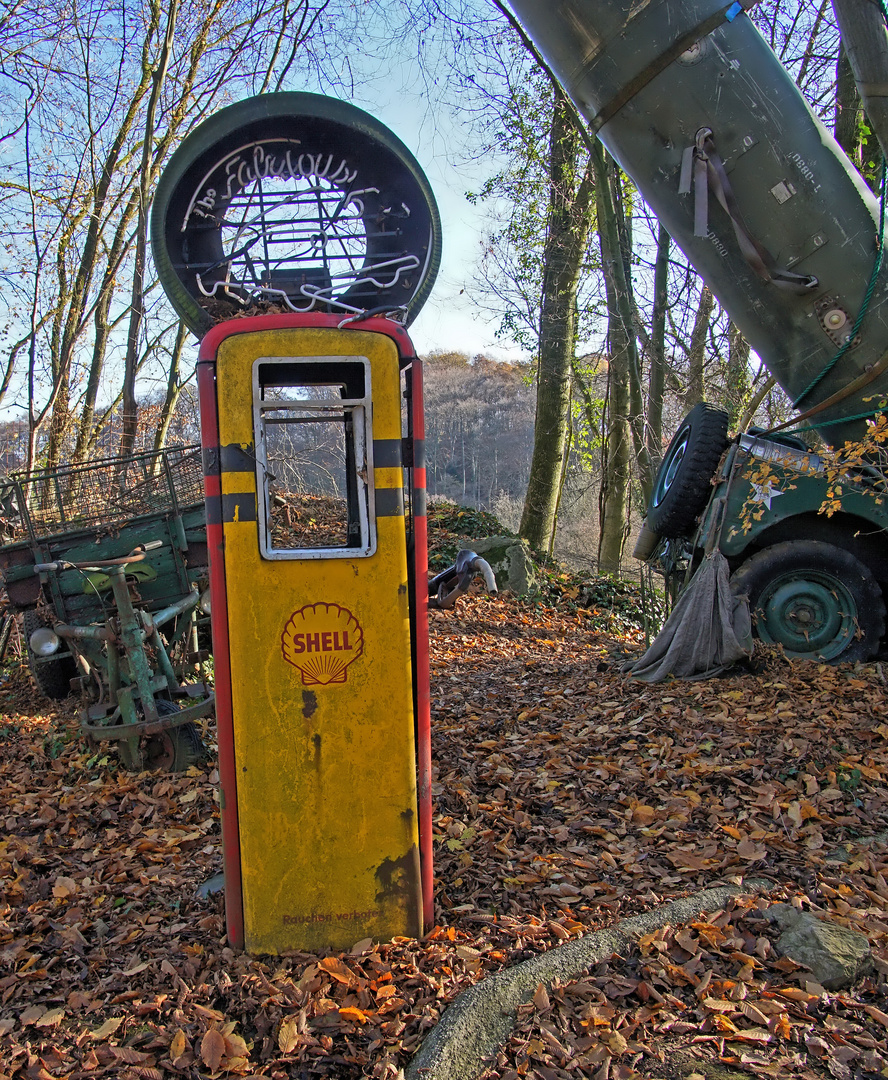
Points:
[[96, 98]]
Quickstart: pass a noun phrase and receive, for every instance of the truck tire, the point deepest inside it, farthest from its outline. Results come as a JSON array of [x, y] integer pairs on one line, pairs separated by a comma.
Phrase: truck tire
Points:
[[176, 749], [53, 678], [684, 480], [815, 599]]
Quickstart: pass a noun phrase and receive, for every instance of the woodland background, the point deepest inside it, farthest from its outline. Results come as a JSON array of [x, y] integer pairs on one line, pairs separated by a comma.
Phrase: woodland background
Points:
[[620, 335]]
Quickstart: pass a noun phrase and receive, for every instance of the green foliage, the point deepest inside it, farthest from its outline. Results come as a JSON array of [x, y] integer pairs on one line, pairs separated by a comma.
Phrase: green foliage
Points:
[[617, 606], [847, 778], [610, 604], [512, 262], [587, 410]]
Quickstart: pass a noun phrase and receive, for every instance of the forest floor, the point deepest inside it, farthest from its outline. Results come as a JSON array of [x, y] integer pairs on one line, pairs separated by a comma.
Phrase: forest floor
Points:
[[566, 797]]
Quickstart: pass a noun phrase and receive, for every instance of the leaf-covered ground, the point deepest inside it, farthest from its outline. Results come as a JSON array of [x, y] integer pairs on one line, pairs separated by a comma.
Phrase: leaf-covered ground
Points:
[[566, 797]]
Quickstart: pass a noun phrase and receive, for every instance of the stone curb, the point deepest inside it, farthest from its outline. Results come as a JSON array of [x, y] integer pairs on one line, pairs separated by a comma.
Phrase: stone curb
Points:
[[480, 1019]]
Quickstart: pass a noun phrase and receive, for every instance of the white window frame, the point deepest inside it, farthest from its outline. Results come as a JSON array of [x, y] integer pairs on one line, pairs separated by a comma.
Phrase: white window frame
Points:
[[362, 422]]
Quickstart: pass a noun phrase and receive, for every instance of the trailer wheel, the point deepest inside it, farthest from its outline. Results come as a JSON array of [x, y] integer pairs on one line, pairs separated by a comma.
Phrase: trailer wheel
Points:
[[684, 480], [816, 600], [53, 677], [176, 749]]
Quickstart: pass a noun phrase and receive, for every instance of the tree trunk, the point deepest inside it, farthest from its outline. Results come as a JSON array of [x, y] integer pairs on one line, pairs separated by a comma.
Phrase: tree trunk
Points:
[[865, 40], [137, 301], [173, 389], [738, 384], [624, 423], [569, 222], [696, 391], [846, 127], [613, 502], [657, 375]]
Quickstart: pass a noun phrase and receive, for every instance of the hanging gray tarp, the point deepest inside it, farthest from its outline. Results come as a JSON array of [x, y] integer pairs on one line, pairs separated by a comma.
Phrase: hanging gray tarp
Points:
[[708, 631]]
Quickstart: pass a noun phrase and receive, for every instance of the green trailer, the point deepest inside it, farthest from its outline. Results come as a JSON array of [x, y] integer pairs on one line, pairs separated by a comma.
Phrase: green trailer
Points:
[[107, 562]]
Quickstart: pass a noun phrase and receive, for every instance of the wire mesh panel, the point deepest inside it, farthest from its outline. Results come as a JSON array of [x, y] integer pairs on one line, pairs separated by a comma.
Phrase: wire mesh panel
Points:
[[111, 491]]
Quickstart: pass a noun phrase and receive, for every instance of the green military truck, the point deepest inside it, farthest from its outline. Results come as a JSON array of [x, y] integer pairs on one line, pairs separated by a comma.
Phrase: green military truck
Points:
[[805, 538], [696, 108]]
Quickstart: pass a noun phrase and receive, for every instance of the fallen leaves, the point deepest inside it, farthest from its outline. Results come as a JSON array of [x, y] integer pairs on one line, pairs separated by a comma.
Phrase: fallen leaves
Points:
[[609, 1022], [565, 798]]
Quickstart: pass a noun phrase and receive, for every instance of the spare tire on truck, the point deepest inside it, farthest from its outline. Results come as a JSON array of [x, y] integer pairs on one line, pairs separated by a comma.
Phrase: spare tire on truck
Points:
[[684, 480]]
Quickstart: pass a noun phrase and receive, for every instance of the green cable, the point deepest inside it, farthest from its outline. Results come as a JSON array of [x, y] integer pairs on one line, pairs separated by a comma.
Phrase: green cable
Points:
[[840, 420], [870, 289]]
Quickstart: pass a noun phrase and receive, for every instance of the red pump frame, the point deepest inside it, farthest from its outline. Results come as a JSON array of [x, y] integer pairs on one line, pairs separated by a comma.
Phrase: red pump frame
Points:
[[414, 462]]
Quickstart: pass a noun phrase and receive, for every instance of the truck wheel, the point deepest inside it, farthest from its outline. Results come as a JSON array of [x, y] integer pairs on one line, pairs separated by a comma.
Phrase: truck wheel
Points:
[[176, 749], [684, 480], [816, 600], [53, 678]]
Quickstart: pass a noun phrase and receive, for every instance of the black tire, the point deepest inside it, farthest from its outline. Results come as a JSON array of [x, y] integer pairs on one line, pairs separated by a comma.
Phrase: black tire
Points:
[[395, 206], [176, 749], [684, 480], [816, 600], [52, 677]]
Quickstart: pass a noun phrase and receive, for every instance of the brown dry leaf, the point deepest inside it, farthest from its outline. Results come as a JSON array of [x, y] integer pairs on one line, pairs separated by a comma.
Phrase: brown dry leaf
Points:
[[212, 1015], [212, 1049], [541, 998], [750, 851], [614, 1042], [50, 1018], [876, 1014], [751, 1012], [129, 1055], [351, 1013], [719, 1005], [235, 1048], [179, 1045], [288, 1036], [643, 814], [338, 970], [108, 1028], [64, 886]]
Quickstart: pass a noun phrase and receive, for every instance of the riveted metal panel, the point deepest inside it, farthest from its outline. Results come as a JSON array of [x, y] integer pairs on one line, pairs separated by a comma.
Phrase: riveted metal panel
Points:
[[797, 194]]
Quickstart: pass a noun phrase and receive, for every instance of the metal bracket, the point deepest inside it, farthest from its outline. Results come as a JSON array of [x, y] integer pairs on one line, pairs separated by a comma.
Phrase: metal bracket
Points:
[[116, 732], [835, 321]]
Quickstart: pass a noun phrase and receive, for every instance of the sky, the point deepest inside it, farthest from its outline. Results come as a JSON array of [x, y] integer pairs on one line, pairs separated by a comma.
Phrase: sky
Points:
[[441, 145], [449, 320], [389, 85]]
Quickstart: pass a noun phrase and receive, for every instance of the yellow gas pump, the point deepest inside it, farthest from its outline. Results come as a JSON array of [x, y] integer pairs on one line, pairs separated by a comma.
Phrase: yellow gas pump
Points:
[[311, 421], [316, 607]]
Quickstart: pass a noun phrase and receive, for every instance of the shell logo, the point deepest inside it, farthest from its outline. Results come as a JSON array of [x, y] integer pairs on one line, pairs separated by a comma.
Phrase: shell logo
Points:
[[321, 640]]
